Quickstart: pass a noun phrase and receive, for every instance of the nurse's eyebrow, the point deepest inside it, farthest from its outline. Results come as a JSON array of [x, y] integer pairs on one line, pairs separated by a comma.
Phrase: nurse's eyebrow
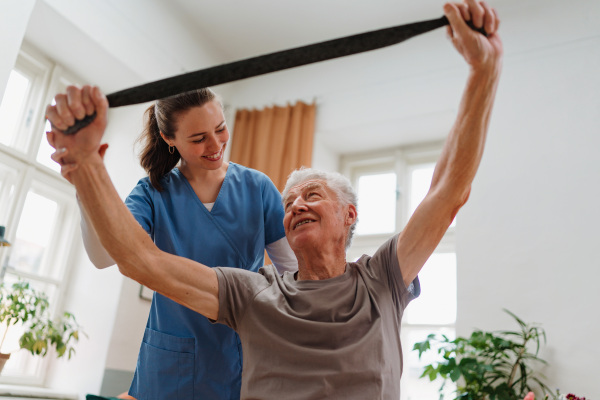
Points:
[[221, 125]]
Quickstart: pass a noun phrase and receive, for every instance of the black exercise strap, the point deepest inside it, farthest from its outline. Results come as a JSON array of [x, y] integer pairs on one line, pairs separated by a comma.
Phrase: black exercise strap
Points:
[[267, 63]]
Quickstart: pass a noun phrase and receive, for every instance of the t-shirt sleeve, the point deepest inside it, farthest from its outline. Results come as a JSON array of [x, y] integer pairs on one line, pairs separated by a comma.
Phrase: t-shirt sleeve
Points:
[[140, 204], [273, 212], [384, 266], [237, 289]]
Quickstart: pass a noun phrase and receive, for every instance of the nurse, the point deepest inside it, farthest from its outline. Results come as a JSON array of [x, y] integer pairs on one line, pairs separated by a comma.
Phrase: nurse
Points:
[[192, 200]]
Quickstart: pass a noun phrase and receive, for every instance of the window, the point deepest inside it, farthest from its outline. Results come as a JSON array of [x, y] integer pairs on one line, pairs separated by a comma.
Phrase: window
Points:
[[390, 186], [37, 206], [376, 188]]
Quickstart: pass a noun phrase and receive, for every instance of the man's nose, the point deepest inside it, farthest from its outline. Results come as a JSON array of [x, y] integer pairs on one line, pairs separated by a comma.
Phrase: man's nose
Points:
[[299, 205]]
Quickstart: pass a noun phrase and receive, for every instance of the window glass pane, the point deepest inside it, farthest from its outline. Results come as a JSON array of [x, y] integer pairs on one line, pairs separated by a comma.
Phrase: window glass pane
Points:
[[437, 302], [420, 181], [34, 234], [376, 204], [11, 110], [413, 387], [8, 178], [45, 150]]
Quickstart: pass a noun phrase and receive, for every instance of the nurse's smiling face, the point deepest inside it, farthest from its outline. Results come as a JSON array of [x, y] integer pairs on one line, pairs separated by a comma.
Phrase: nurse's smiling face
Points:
[[201, 136]]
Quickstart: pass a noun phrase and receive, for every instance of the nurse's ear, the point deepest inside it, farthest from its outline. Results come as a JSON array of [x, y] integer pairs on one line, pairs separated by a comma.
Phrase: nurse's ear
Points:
[[166, 139]]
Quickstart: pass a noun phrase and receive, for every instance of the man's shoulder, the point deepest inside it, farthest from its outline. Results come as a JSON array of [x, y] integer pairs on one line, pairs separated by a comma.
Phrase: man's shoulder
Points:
[[264, 276], [385, 254]]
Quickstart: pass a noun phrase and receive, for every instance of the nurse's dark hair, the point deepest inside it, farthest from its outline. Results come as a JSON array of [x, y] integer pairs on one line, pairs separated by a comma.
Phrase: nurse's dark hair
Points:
[[162, 116]]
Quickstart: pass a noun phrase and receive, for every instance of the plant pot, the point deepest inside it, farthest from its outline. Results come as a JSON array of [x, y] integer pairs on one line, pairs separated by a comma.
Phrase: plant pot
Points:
[[3, 359]]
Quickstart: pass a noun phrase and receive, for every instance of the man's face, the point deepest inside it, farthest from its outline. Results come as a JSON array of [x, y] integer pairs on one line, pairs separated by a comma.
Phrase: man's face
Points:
[[314, 216]]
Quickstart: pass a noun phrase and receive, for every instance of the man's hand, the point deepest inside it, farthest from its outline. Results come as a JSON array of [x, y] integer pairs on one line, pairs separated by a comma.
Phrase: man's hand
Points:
[[479, 52], [61, 156], [76, 103]]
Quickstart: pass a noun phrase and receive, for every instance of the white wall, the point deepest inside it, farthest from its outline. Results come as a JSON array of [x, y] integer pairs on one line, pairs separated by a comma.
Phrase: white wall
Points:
[[12, 30], [528, 238]]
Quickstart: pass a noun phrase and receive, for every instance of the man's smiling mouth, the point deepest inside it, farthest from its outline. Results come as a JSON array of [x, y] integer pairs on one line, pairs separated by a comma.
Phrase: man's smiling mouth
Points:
[[306, 221]]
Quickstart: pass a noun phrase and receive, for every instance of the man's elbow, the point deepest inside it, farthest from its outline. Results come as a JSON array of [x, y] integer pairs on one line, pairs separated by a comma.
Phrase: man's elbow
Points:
[[451, 199], [461, 201], [138, 266]]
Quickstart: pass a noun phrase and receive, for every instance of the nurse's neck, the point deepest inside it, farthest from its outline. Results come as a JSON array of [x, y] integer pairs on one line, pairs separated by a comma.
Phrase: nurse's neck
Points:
[[205, 182]]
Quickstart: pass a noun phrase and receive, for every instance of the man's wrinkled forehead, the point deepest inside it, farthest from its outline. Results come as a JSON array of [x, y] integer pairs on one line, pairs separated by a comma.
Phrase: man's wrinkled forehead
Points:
[[306, 185]]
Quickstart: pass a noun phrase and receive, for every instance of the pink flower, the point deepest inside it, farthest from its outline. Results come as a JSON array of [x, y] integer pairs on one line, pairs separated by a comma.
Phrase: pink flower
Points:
[[530, 396]]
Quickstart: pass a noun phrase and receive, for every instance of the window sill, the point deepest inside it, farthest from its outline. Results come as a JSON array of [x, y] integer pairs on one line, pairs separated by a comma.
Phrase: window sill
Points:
[[33, 393]]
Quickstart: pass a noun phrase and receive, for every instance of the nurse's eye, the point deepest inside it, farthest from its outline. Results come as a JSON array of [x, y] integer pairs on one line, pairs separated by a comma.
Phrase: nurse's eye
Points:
[[199, 140]]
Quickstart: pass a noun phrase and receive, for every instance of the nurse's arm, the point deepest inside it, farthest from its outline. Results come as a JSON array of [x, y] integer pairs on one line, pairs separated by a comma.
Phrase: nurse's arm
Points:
[[185, 281]]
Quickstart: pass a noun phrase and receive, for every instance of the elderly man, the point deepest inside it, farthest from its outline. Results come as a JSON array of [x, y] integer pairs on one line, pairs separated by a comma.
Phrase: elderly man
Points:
[[332, 329]]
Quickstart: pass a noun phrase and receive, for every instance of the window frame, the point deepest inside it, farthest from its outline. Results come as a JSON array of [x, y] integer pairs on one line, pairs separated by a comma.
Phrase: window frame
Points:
[[32, 63], [399, 160], [33, 176]]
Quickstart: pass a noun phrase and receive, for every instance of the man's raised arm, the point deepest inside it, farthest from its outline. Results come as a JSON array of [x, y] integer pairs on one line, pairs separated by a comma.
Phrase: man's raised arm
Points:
[[187, 282], [461, 155]]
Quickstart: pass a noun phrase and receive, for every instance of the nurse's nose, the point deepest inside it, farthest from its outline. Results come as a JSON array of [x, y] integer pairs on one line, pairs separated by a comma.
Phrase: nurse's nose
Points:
[[213, 143]]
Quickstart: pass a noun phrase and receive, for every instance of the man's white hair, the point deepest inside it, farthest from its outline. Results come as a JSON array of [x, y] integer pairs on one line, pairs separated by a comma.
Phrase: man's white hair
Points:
[[337, 182]]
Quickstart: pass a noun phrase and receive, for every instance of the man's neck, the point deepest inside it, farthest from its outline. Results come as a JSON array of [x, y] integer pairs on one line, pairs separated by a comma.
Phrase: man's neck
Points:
[[319, 265]]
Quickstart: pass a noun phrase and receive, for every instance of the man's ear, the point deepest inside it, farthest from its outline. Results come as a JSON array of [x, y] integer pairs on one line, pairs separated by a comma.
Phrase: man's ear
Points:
[[351, 215]]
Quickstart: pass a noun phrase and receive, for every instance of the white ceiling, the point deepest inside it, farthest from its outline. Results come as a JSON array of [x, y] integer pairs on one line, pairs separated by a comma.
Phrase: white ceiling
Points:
[[121, 43], [245, 28]]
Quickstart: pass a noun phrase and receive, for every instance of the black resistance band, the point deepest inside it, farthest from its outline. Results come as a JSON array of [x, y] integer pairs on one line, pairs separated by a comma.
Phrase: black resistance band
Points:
[[267, 63]]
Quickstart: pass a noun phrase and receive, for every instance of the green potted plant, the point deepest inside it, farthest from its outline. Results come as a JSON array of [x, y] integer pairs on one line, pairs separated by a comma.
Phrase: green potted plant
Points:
[[488, 365], [21, 304]]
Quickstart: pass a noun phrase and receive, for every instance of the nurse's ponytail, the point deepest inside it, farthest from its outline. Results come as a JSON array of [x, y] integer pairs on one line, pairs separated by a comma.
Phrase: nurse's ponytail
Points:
[[156, 157]]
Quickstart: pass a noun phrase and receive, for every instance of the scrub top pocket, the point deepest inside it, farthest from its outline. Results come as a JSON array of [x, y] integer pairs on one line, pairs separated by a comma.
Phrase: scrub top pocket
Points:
[[166, 366]]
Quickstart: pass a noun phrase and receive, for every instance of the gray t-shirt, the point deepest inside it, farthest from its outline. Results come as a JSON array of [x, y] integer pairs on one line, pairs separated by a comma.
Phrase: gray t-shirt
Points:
[[337, 338]]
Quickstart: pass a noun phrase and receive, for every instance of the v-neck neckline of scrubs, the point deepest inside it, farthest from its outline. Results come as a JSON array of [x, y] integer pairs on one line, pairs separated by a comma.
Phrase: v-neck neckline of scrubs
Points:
[[216, 202]]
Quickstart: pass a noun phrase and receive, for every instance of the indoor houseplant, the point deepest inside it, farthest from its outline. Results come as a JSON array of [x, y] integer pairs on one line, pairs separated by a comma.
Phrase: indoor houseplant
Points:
[[489, 365], [21, 305]]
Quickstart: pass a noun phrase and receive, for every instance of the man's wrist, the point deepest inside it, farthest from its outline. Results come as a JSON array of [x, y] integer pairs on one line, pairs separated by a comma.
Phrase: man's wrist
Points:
[[490, 69], [90, 162], [80, 156], [486, 73]]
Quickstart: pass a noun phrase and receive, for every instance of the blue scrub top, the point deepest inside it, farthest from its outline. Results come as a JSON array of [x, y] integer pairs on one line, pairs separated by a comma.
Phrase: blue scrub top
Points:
[[184, 356]]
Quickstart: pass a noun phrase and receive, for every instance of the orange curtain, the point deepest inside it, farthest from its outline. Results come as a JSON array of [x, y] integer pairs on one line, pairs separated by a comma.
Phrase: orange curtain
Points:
[[275, 140]]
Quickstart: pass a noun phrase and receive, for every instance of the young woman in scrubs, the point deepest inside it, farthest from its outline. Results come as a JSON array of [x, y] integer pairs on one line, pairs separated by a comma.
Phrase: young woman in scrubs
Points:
[[207, 210]]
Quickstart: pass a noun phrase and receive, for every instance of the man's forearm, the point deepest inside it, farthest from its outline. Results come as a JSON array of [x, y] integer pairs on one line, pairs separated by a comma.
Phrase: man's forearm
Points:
[[463, 149], [115, 225], [182, 280]]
